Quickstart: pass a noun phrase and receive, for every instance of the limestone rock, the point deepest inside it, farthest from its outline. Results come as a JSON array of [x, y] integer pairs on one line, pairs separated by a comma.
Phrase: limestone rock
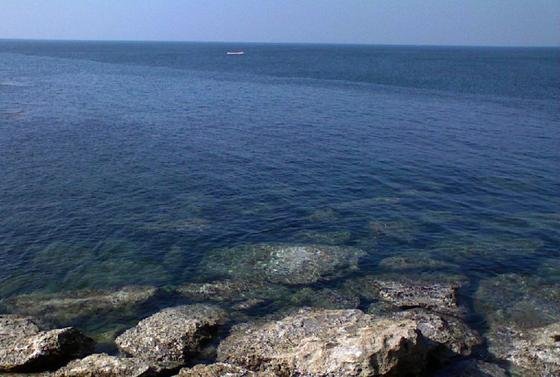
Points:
[[103, 365], [24, 347], [327, 343], [450, 337], [403, 294], [219, 370], [172, 335], [291, 265], [437, 297]]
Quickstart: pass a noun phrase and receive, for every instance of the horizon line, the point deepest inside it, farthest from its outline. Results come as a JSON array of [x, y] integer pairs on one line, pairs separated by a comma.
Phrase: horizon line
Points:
[[274, 43]]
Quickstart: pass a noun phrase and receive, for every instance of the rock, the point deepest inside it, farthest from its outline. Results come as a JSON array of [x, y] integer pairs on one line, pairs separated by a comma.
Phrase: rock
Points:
[[41, 374], [219, 370], [520, 301], [66, 307], [171, 336], [292, 265], [24, 347], [327, 343], [437, 297], [103, 365], [523, 316], [472, 368], [399, 230], [449, 336], [534, 353]]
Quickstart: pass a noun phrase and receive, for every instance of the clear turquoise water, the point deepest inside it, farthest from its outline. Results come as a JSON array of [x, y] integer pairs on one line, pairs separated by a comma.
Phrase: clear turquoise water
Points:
[[125, 163]]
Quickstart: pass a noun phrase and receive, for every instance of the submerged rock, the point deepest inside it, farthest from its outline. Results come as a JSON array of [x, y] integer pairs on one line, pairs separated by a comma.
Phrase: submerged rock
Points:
[[327, 343], [248, 304], [533, 353], [323, 215], [400, 230], [282, 264], [171, 336], [66, 307], [484, 249], [220, 370], [113, 263], [103, 365], [24, 347], [231, 291], [517, 300], [523, 316], [403, 294], [323, 298], [472, 368], [245, 295]]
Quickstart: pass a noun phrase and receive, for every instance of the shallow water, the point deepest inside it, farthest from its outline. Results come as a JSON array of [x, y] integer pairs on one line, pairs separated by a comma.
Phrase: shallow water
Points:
[[127, 163]]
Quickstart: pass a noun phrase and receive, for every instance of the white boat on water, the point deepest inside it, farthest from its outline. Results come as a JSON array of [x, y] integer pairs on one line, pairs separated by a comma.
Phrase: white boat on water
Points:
[[235, 53]]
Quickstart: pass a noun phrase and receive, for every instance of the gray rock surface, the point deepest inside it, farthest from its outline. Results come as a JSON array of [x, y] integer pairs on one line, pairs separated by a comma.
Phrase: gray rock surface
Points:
[[403, 294], [103, 365], [450, 337], [327, 343], [283, 264], [172, 336], [220, 370], [24, 347], [436, 297]]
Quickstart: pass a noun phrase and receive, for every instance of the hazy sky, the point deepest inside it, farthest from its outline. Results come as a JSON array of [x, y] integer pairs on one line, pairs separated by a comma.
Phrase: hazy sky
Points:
[[448, 22]]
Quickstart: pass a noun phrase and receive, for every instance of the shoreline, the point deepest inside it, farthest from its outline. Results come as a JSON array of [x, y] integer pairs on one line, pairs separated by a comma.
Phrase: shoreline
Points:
[[216, 334]]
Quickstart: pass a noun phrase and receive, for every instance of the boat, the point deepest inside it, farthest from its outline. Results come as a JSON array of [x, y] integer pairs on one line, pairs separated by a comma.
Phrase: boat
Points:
[[235, 53]]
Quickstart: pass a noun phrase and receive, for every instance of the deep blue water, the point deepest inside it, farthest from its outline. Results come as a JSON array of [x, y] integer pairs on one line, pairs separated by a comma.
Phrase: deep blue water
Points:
[[124, 163]]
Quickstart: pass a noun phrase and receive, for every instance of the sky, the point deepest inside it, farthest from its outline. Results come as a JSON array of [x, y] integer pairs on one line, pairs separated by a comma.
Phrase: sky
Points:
[[416, 22]]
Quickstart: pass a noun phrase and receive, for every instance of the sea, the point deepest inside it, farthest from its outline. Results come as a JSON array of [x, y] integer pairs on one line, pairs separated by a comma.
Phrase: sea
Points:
[[127, 163]]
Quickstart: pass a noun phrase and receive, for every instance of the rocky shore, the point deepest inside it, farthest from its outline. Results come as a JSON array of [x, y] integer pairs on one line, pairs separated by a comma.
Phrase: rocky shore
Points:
[[360, 326]]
